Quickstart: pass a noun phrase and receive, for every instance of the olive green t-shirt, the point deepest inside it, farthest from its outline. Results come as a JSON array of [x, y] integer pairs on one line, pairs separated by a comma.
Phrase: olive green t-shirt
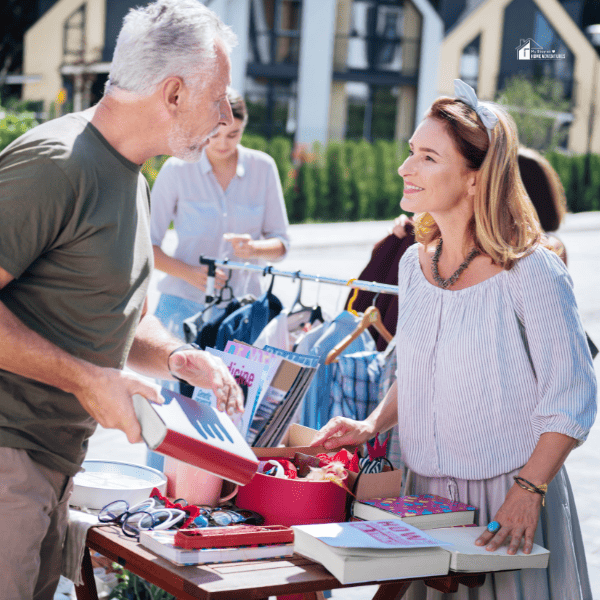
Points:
[[75, 235]]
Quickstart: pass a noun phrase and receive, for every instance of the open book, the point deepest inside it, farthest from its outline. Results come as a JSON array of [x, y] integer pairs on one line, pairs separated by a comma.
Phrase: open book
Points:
[[364, 551], [467, 557]]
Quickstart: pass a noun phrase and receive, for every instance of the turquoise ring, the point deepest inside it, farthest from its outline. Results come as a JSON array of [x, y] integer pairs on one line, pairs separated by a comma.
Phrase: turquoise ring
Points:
[[493, 526]]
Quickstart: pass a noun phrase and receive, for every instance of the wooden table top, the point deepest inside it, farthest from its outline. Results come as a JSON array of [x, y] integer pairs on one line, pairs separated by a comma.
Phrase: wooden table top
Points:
[[251, 580]]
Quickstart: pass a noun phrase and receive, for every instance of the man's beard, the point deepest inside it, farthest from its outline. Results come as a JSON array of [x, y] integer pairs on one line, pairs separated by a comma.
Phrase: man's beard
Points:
[[181, 147]]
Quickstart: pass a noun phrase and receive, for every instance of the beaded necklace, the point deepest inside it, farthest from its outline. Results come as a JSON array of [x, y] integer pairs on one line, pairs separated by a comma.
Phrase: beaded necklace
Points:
[[446, 283]]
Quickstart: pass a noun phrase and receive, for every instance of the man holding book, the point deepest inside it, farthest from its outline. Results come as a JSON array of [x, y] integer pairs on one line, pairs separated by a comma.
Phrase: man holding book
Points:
[[75, 264]]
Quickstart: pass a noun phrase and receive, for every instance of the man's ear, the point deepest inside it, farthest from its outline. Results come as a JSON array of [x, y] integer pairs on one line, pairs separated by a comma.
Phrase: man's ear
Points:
[[172, 90]]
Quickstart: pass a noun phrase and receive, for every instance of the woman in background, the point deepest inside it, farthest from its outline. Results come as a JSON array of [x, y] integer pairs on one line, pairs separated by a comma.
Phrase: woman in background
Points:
[[544, 188], [228, 204]]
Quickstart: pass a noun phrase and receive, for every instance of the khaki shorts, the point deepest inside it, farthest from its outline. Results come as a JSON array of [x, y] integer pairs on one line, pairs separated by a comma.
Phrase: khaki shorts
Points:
[[33, 523]]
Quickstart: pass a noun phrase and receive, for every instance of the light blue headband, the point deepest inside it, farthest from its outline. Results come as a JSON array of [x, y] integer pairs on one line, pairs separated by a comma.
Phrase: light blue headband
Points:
[[465, 93]]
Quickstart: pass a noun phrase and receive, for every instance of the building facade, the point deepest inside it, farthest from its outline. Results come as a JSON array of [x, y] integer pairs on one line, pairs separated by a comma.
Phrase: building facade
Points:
[[313, 70], [494, 40]]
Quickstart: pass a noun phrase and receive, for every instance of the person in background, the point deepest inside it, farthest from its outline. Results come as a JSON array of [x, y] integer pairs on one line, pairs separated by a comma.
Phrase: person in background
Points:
[[383, 268], [495, 380], [227, 204], [75, 265], [546, 192], [544, 188]]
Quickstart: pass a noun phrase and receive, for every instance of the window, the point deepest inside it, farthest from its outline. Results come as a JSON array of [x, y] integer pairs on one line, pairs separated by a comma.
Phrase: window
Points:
[[469, 63]]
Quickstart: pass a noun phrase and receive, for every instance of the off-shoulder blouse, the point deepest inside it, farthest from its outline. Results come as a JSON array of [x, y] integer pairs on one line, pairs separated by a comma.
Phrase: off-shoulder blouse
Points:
[[484, 371]]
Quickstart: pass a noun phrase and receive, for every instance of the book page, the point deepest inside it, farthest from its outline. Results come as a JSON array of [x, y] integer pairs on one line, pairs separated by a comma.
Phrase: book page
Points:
[[462, 540], [392, 534]]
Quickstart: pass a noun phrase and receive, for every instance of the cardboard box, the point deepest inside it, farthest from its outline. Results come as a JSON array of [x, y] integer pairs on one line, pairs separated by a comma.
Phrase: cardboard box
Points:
[[297, 439]]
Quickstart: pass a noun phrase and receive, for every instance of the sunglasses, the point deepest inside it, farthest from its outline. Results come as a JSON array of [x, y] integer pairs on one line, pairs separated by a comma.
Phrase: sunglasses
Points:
[[146, 515], [221, 517]]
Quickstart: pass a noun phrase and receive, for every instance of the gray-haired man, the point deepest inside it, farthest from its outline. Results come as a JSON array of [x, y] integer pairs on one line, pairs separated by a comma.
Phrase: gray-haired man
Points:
[[75, 263]]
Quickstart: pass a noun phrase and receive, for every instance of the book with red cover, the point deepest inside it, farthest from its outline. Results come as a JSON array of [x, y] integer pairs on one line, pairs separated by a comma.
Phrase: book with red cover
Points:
[[196, 433], [425, 512]]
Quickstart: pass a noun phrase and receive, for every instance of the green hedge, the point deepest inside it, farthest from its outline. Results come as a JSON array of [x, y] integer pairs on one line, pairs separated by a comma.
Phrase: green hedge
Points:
[[344, 181], [12, 125], [351, 180]]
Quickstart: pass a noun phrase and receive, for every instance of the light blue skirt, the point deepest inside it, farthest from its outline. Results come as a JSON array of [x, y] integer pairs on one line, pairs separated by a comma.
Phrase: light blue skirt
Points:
[[566, 577]]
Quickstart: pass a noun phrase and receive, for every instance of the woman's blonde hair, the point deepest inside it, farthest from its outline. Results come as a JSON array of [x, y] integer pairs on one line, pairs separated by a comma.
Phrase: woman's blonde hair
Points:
[[504, 224]]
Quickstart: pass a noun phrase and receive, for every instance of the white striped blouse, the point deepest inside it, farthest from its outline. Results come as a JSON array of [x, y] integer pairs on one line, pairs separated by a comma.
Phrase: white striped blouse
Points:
[[484, 371]]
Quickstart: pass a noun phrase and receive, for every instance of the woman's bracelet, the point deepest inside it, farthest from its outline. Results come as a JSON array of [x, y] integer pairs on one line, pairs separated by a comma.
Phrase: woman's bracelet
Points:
[[534, 489], [179, 349]]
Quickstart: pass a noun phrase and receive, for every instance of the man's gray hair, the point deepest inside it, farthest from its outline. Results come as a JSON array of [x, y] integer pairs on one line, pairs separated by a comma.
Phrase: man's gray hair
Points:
[[166, 38]]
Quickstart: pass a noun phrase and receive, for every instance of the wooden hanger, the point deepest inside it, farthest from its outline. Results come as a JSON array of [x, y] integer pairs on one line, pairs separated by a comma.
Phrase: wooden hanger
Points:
[[372, 317]]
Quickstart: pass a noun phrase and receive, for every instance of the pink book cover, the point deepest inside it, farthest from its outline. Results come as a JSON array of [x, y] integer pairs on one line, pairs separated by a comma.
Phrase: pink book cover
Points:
[[414, 506]]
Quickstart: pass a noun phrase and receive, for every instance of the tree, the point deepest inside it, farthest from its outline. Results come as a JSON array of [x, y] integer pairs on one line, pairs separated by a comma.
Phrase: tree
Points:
[[535, 105]]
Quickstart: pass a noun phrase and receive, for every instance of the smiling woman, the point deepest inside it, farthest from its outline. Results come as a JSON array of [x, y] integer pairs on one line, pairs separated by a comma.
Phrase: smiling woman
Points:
[[495, 382]]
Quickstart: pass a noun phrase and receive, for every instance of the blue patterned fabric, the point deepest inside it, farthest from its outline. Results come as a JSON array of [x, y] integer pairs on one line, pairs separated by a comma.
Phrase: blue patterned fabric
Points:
[[316, 408], [354, 387]]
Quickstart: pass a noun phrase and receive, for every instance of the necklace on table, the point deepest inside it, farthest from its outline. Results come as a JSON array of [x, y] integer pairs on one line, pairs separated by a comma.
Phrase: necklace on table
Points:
[[446, 283]]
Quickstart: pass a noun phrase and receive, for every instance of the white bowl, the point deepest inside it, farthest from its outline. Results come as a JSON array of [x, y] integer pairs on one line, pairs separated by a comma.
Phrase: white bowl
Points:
[[104, 481]]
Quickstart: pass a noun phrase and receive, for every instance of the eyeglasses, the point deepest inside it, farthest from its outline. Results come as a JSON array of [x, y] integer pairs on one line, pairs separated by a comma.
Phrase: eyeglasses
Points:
[[146, 515], [221, 517]]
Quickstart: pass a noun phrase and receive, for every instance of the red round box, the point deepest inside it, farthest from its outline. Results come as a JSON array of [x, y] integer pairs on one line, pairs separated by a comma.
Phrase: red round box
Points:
[[293, 501]]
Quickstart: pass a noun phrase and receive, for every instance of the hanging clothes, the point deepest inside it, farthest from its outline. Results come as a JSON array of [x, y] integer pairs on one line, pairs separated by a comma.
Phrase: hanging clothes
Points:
[[247, 322], [383, 268], [315, 411], [205, 333], [360, 382], [354, 390]]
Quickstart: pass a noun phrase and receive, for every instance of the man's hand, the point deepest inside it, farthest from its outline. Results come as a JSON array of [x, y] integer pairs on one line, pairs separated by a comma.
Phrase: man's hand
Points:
[[202, 369], [399, 227], [107, 397]]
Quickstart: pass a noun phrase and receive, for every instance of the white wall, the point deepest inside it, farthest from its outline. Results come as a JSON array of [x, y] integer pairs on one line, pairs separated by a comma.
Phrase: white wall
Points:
[[315, 70], [431, 43]]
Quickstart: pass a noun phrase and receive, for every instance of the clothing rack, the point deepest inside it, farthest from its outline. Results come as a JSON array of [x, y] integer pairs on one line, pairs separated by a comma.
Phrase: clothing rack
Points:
[[368, 286]]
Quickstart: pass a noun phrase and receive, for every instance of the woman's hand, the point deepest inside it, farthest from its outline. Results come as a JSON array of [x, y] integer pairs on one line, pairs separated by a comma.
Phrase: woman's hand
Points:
[[243, 244], [341, 431], [400, 223], [198, 276], [518, 517]]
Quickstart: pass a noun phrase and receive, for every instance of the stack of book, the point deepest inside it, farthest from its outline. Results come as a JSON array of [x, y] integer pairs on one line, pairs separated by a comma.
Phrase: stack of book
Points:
[[283, 385], [220, 544]]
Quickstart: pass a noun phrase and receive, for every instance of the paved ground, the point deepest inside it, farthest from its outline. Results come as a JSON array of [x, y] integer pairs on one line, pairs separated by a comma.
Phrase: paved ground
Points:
[[341, 250]]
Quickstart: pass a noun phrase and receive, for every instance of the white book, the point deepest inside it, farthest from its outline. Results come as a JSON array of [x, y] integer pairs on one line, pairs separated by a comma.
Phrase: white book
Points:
[[467, 557], [364, 551], [161, 543]]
